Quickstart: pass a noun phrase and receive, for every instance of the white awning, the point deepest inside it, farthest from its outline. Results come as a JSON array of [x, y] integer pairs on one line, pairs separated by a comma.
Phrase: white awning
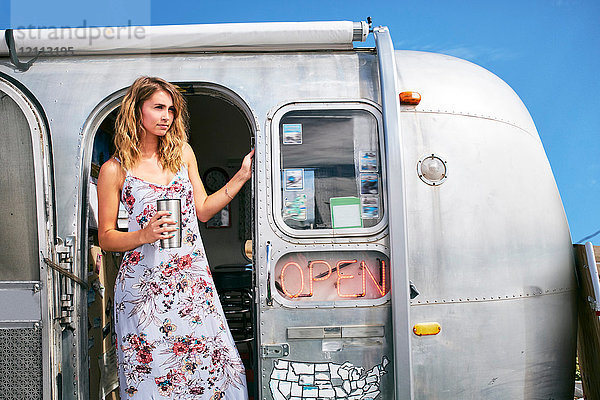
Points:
[[267, 36]]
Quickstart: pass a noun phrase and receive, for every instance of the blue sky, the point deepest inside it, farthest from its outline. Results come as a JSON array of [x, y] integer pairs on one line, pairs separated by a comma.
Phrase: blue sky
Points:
[[548, 51]]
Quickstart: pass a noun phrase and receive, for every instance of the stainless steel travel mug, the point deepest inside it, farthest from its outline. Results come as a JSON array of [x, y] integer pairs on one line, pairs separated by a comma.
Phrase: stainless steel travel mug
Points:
[[174, 206]]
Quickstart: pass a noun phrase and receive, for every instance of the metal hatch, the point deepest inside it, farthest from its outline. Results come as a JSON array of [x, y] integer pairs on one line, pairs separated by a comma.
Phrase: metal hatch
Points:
[[305, 336], [27, 240]]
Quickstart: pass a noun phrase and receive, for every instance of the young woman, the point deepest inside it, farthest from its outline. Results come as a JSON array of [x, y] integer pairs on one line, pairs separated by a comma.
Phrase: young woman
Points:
[[172, 337]]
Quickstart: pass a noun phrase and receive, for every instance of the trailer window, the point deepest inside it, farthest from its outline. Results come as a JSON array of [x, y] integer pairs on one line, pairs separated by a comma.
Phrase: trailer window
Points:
[[330, 165], [18, 214]]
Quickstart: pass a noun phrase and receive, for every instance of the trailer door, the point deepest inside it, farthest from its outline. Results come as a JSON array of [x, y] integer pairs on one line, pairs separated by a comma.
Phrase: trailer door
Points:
[[323, 265], [397, 213], [25, 240]]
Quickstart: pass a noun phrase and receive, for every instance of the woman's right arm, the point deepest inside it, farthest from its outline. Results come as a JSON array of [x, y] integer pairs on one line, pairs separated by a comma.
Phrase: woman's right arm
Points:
[[110, 181]]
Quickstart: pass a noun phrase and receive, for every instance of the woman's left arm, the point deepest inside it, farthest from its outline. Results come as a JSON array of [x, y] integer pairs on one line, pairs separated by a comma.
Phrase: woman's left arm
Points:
[[207, 206]]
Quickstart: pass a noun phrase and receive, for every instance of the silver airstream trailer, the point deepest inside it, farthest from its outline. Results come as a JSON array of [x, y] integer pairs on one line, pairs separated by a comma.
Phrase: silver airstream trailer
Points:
[[402, 237]]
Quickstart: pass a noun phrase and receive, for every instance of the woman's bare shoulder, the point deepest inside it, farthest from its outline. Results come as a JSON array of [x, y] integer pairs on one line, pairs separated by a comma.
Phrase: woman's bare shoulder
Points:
[[187, 153], [112, 171]]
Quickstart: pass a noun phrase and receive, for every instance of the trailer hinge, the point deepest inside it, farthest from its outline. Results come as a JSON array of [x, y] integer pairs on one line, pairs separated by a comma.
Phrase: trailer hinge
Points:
[[64, 253], [274, 350]]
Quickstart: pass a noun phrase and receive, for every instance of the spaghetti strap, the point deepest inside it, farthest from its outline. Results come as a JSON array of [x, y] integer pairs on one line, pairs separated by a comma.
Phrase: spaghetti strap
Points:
[[121, 164]]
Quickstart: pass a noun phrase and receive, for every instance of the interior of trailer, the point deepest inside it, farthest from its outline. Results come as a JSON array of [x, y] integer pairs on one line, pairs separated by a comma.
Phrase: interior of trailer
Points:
[[221, 135]]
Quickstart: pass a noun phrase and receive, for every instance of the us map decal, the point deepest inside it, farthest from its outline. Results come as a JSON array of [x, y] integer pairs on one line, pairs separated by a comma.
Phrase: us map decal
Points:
[[292, 380]]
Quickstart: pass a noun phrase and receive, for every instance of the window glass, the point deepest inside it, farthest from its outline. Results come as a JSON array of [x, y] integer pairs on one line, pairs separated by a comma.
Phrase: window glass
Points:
[[330, 169], [18, 215]]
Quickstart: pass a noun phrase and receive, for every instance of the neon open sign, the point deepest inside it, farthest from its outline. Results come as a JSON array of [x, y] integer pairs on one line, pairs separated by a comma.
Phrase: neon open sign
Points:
[[333, 276]]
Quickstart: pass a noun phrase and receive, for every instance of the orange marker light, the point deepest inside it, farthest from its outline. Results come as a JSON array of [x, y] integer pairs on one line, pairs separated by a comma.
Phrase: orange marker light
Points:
[[427, 328], [410, 98]]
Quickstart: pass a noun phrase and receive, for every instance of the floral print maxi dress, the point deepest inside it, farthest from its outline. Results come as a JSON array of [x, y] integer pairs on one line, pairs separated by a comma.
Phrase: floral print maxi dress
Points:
[[172, 337]]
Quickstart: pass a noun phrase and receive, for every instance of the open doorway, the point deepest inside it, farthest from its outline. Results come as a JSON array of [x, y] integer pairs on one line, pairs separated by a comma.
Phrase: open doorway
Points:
[[221, 134]]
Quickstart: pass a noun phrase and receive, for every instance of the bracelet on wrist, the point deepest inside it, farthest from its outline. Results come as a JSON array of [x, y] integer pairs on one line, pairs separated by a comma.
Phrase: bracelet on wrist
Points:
[[227, 193]]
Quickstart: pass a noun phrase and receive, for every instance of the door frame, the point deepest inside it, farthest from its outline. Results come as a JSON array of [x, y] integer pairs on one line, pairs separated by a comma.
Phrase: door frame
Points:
[[90, 127]]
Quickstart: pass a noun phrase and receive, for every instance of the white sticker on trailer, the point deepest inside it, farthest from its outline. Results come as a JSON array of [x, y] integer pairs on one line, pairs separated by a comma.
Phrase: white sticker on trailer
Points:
[[304, 380]]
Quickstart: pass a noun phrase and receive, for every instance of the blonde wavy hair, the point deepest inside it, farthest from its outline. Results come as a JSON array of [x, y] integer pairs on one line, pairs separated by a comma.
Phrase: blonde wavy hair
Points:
[[128, 126]]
